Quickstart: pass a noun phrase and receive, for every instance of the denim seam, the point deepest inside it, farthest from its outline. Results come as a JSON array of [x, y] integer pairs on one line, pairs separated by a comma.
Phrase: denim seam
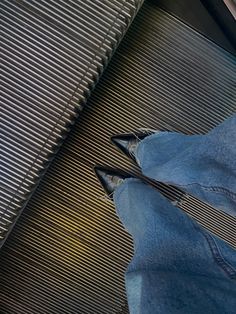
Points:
[[216, 189], [220, 260]]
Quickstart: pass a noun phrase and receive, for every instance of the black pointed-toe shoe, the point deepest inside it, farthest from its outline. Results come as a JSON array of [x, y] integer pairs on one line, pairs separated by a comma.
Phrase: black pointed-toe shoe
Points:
[[110, 178], [128, 142]]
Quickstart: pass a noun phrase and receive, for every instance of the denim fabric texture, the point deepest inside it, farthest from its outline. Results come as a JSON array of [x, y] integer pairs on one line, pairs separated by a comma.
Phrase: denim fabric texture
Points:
[[178, 266], [202, 165]]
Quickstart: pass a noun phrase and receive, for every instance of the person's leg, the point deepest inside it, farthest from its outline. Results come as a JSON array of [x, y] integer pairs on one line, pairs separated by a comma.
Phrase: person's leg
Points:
[[202, 165], [177, 266]]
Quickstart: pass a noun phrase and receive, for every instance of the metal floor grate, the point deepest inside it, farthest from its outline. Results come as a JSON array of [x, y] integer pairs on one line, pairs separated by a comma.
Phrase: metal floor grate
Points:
[[68, 251]]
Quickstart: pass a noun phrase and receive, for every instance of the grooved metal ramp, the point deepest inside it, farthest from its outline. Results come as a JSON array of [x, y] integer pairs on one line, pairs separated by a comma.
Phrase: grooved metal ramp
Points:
[[68, 251]]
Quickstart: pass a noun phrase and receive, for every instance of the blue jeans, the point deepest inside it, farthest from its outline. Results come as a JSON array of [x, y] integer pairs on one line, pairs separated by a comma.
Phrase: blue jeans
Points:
[[178, 266]]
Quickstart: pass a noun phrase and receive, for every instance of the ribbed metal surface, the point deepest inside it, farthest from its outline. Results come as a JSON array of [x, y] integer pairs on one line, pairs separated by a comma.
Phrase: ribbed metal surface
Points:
[[53, 53], [68, 251]]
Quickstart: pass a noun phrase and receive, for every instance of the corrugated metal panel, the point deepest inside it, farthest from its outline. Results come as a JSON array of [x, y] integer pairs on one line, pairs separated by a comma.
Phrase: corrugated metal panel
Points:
[[53, 53], [68, 252]]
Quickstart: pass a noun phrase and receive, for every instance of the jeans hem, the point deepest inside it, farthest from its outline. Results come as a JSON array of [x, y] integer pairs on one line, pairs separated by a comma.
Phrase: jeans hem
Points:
[[120, 188], [147, 138]]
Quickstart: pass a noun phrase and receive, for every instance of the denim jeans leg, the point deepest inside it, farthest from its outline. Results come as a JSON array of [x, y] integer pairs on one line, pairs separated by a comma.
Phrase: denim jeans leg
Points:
[[177, 267], [202, 165]]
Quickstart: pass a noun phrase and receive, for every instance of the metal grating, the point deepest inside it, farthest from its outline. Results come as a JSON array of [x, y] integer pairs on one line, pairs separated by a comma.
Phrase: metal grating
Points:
[[53, 54], [68, 251]]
